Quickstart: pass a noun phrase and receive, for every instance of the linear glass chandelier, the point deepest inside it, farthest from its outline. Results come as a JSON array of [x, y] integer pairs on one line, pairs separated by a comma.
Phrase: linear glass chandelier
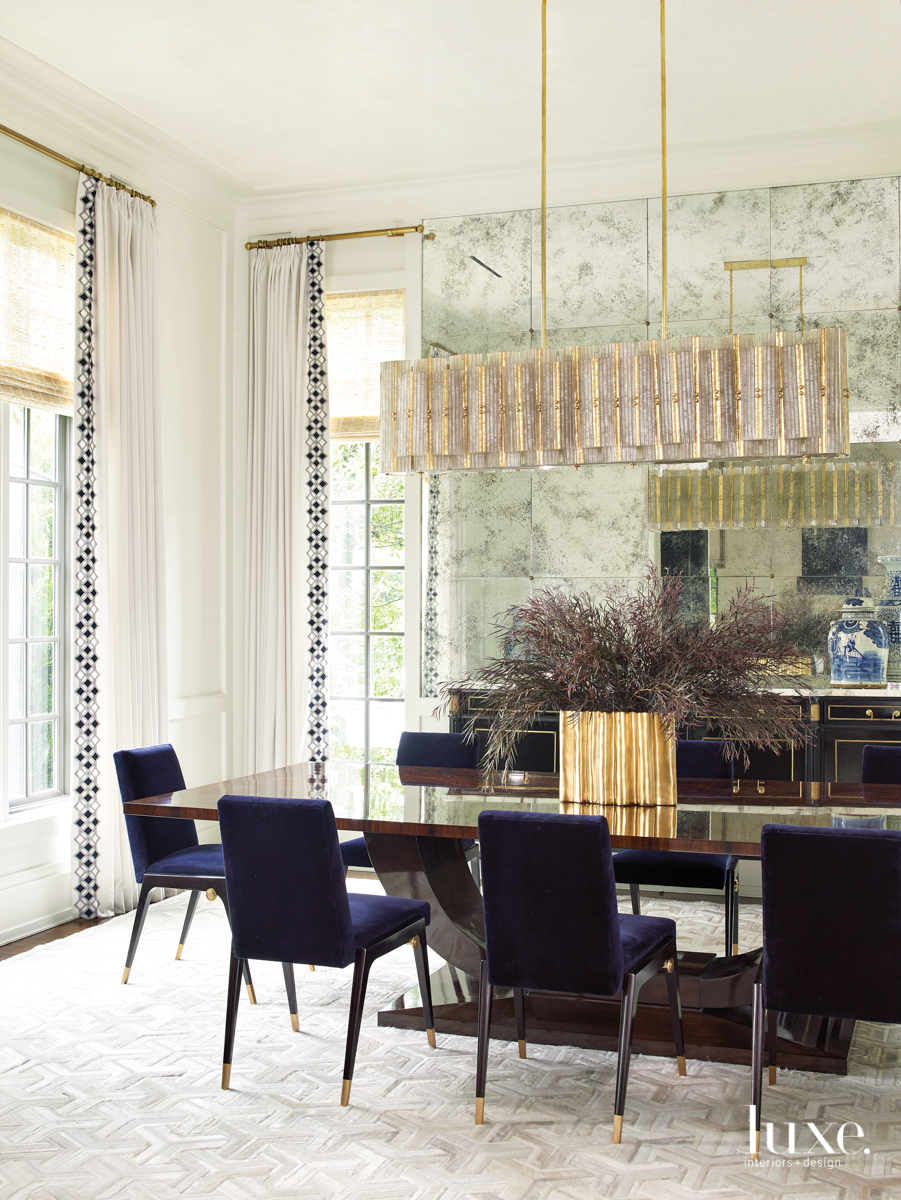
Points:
[[664, 401]]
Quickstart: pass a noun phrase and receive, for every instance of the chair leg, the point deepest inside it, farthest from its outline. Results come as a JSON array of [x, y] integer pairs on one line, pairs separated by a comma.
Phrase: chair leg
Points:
[[140, 914], [251, 994], [475, 866], [674, 993], [231, 1017], [189, 917], [772, 1034], [362, 964], [757, 1066], [421, 954], [519, 1009], [288, 970], [729, 901], [635, 893], [735, 916], [626, 1018], [485, 1001]]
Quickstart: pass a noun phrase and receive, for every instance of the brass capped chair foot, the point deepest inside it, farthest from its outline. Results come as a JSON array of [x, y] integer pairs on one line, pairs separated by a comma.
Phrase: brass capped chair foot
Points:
[[756, 1153], [522, 1047], [310, 965], [251, 994], [735, 947], [772, 1075], [211, 893], [179, 950], [430, 1034], [680, 1059], [226, 1075], [669, 965], [617, 1130], [480, 1110], [295, 1024], [345, 1093], [125, 974]]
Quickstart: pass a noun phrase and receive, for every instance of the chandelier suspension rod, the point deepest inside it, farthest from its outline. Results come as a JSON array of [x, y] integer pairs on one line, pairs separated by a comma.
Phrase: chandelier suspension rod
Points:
[[543, 174], [663, 167]]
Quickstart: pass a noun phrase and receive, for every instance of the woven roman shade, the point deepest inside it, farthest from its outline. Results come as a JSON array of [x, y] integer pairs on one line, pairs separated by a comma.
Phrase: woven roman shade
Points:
[[363, 329], [37, 314]]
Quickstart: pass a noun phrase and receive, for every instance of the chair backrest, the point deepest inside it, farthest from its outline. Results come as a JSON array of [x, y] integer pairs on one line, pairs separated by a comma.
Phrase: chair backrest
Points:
[[437, 750], [551, 919], [832, 921], [696, 759], [284, 875], [881, 764], [152, 771]]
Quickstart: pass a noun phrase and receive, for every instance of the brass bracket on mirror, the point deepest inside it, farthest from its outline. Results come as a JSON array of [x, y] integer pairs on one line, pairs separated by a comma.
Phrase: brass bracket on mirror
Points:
[[768, 264]]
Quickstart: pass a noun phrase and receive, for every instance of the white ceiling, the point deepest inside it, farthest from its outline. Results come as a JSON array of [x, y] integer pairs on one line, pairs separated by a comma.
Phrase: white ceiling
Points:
[[300, 94]]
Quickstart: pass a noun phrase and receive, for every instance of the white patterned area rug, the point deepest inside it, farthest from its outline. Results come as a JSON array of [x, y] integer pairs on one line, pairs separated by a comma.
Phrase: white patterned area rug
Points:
[[112, 1093]]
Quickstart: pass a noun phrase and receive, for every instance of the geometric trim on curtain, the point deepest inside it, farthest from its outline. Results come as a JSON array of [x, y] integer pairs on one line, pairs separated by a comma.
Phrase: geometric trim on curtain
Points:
[[317, 440], [86, 790]]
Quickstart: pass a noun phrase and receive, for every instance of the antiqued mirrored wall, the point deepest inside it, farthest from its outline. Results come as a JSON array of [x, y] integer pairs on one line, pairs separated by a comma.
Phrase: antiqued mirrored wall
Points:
[[490, 538]]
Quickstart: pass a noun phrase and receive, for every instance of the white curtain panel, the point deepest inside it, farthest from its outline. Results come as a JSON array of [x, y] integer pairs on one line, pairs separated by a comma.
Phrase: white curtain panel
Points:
[[287, 511], [121, 696]]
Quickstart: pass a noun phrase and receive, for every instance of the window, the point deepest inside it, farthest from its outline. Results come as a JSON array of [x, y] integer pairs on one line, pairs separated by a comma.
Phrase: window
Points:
[[35, 617], [36, 366], [366, 623]]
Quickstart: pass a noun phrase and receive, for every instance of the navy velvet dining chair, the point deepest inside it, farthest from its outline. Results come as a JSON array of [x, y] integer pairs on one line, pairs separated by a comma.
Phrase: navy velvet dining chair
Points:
[[449, 750], [289, 904], [881, 764], [552, 925], [831, 932], [165, 851], [670, 868], [426, 750]]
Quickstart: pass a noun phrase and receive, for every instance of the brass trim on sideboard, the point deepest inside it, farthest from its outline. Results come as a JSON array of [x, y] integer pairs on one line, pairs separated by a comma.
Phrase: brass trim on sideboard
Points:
[[857, 742]]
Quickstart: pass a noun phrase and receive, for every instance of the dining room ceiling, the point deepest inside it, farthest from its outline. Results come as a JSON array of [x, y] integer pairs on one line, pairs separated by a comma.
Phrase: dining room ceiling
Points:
[[297, 94]]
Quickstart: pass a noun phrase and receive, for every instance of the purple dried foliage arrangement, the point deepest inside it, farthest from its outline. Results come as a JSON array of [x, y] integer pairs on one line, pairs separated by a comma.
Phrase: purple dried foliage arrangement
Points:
[[634, 651]]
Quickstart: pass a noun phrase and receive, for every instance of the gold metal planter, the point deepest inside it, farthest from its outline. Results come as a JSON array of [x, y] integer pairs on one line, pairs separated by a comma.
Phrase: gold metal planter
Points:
[[620, 758]]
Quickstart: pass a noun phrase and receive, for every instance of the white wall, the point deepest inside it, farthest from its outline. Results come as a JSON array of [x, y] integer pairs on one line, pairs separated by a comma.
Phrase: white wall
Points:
[[196, 214]]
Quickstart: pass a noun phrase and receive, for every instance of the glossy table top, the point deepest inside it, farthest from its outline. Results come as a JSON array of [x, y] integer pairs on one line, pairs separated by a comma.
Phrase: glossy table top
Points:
[[710, 816]]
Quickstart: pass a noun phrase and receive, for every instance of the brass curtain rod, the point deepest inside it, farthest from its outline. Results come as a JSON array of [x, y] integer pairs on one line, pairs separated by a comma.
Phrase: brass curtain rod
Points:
[[333, 237], [76, 166]]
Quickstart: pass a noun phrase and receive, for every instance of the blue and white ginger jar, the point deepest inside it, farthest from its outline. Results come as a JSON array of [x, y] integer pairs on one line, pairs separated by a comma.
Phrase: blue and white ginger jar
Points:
[[888, 611], [858, 646]]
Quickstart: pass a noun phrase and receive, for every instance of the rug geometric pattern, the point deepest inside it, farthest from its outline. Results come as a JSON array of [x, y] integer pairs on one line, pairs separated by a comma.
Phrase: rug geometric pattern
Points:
[[113, 1092]]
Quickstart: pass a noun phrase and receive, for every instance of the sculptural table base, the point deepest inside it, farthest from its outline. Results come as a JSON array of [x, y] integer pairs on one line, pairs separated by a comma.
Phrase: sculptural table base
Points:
[[716, 992]]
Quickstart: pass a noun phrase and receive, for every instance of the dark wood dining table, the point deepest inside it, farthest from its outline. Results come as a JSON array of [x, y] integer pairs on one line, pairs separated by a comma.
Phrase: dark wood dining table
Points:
[[415, 820]]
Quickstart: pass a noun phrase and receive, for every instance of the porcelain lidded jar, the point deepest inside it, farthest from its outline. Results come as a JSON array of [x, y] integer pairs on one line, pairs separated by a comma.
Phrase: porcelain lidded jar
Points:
[[888, 611], [858, 646]]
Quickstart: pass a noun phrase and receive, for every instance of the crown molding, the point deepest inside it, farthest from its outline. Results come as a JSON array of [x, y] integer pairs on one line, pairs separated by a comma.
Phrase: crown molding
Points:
[[733, 164], [57, 110]]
